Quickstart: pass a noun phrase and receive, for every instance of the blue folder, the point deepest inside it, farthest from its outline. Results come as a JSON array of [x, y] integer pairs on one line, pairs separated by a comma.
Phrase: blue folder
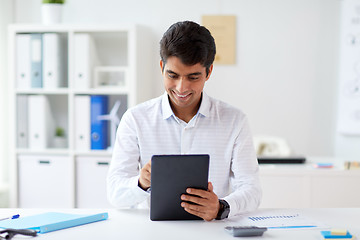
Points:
[[99, 128], [52, 221], [36, 60]]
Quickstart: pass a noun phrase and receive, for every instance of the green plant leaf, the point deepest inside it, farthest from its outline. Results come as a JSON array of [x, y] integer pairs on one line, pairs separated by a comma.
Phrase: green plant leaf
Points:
[[53, 1]]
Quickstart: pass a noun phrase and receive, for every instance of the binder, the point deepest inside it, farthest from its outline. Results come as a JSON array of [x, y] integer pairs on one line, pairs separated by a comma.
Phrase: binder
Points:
[[52, 61], [21, 121], [23, 62], [52, 221], [82, 123], [40, 122], [85, 60], [99, 128], [36, 60]]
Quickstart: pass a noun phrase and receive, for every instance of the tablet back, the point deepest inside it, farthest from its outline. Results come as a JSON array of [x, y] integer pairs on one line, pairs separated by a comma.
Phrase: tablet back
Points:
[[170, 176]]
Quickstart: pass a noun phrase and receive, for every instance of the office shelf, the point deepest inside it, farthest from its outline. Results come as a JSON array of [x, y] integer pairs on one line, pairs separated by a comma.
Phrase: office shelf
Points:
[[120, 71]]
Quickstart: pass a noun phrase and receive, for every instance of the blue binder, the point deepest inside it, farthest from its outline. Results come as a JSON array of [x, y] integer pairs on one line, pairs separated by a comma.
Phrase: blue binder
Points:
[[52, 221], [36, 60], [99, 128]]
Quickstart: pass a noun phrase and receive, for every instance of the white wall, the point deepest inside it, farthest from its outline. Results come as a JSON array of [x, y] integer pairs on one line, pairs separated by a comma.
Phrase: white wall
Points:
[[285, 77], [5, 19]]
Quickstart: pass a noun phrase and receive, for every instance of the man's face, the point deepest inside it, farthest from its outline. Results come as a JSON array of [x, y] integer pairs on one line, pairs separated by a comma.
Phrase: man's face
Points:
[[184, 84]]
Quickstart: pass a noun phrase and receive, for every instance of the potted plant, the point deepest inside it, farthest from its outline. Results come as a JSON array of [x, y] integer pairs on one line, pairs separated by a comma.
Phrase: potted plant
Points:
[[52, 11], [60, 139]]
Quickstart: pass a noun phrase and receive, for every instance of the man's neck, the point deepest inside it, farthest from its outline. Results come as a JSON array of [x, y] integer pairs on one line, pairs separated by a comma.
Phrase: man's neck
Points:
[[186, 114]]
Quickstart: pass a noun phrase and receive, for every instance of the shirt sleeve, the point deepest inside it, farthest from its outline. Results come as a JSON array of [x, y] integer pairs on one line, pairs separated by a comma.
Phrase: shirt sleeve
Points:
[[244, 176], [123, 175]]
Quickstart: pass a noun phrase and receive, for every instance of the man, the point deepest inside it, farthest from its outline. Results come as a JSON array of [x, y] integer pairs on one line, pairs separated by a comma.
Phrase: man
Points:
[[187, 121]]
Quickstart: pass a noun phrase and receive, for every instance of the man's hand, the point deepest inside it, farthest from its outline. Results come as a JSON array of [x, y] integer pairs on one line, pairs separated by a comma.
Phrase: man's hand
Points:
[[208, 202], [145, 176]]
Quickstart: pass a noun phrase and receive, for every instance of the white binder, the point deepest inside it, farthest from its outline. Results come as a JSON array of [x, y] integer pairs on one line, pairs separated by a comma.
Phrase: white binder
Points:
[[21, 121], [52, 61], [41, 128], [23, 61], [85, 60], [82, 123]]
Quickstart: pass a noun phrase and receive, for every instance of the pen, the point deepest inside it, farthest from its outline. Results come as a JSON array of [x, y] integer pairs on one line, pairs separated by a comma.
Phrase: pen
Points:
[[12, 217]]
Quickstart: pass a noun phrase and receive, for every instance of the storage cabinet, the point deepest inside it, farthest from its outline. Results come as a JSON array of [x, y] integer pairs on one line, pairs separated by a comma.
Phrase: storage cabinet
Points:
[[51, 68], [91, 182], [45, 181], [303, 187]]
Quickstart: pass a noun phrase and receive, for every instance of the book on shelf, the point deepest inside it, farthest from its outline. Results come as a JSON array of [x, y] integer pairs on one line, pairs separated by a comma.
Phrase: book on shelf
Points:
[[99, 128]]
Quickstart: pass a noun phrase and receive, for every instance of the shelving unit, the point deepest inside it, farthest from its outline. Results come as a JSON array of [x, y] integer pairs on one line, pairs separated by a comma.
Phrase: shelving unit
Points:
[[122, 62]]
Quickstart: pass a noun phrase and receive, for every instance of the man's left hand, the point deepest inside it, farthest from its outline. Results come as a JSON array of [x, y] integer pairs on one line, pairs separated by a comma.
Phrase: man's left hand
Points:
[[207, 203]]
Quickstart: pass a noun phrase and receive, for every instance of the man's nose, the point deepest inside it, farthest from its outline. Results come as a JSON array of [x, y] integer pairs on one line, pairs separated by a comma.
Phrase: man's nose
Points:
[[181, 87]]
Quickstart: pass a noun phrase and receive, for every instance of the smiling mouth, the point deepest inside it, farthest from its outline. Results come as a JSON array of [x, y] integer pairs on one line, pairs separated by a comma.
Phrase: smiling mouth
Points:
[[182, 96]]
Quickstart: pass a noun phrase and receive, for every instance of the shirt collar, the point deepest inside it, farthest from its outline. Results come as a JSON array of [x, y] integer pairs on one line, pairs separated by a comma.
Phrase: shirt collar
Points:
[[166, 108], [167, 111]]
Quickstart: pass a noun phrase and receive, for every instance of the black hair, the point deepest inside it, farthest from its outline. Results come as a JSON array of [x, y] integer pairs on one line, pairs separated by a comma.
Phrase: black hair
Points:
[[190, 42]]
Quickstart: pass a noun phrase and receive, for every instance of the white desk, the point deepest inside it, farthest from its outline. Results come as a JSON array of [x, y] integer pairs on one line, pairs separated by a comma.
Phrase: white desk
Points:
[[135, 224]]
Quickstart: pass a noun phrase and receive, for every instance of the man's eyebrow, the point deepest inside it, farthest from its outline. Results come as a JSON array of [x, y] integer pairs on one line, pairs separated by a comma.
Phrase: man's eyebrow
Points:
[[190, 74], [195, 74], [171, 72]]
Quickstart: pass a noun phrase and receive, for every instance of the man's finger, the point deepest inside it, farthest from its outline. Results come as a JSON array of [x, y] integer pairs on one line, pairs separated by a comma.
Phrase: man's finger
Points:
[[193, 207], [198, 192], [210, 187], [193, 199], [199, 214]]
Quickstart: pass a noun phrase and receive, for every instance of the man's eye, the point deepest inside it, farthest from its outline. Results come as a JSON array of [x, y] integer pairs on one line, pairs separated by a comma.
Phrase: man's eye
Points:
[[172, 76], [193, 78]]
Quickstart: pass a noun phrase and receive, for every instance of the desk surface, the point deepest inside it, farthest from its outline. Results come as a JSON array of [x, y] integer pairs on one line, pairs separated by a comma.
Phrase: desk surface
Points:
[[135, 224]]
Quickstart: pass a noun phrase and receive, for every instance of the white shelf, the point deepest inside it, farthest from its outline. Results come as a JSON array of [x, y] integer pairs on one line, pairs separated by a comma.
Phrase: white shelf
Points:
[[24, 151], [104, 153], [102, 91], [60, 91], [66, 28], [120, 51]]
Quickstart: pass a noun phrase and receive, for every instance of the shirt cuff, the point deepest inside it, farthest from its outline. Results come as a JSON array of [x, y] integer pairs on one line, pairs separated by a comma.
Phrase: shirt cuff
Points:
[[232, 205], [138, 191]]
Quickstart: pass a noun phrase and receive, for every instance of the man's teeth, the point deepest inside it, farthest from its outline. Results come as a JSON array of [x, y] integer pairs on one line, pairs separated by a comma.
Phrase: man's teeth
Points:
[[182, 95]]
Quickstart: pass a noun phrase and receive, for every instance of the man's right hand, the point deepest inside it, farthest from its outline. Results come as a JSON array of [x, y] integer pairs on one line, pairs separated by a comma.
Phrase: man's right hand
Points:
[[145, 176]]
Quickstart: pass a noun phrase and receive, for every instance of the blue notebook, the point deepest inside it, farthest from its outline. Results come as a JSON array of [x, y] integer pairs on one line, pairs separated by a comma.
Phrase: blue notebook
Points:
[[99, 128], [52, 221]]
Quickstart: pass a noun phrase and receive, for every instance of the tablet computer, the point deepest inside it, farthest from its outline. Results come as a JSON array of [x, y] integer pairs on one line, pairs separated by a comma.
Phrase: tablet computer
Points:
[[171, 175]]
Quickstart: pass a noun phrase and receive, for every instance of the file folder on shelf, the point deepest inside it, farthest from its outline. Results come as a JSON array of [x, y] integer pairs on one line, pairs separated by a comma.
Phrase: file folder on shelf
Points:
[[36, 60], [99, 128], [82, 123], [23, 62], [53, 65], [52, 221], [40, 122], [85, 60], [21, 122]]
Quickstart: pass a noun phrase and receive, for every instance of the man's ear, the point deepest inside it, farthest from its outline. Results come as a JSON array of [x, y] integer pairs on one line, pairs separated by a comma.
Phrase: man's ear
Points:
[[162, 65], [209, 73]]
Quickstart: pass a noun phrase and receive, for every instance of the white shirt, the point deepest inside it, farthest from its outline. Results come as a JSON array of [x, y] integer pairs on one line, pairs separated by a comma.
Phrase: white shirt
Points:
[[218, 129]]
